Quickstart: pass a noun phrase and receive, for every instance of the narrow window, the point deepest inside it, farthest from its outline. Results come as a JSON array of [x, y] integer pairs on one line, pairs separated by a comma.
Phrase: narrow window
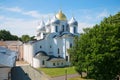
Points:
[[58, 50], [66, 58], [40, 46], [62, 63], [74, 29], [67, 28], [53, 64], [62, 27], [50, 46], [56, 28], [43, 62], [70, 45]]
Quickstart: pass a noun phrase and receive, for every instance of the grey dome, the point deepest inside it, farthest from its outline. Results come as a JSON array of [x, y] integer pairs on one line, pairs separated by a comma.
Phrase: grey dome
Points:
[[40, 54], [73, 22], [41, 27]]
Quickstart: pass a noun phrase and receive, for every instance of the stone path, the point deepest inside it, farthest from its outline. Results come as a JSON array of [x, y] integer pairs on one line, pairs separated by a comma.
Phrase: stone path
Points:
[[27, 73]]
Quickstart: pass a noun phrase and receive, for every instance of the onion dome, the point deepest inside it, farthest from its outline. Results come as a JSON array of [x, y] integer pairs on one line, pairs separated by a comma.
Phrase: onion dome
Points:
[[41, 27], [48, 22], [61, 16], [73, 22], [55, 20]]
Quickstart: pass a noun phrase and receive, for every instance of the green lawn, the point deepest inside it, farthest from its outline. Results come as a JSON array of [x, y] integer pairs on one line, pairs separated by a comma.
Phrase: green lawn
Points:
[[78, 78], [53, 72]]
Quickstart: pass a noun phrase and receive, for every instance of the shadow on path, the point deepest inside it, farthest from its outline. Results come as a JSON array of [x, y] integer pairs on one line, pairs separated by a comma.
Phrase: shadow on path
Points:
[[17, 73]]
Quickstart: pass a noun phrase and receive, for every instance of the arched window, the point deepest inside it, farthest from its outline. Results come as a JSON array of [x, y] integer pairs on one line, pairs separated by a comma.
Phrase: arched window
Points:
[[40, 46], [62, 27], [70, 45], [74, 29], [67, 27], [53, 64], [58, 50], [50, 46], [43, 62], [56, 28], [66, 58]]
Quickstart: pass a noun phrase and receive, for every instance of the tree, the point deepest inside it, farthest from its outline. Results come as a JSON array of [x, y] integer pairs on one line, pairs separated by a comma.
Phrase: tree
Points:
[[25, 38], [6, 35], [97, 50]]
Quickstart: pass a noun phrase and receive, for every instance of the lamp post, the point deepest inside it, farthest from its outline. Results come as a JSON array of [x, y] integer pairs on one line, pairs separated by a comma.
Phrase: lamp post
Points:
[[65, 73]]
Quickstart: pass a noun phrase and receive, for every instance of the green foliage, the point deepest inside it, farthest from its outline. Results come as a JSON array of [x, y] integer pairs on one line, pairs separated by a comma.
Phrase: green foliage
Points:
[[6, 35], [97, 50], [53, 72], [25, 38]]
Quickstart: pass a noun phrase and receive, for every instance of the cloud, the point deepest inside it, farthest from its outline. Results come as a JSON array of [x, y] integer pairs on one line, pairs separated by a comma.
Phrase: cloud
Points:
[[1, 17], [14, 9], [103, 14], [32, 13], [83, 25], [19, 26]]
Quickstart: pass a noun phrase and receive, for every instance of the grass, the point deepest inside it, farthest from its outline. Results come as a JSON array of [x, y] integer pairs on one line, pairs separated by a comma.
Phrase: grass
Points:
[[76, 78], [79, 78], [54, 72]]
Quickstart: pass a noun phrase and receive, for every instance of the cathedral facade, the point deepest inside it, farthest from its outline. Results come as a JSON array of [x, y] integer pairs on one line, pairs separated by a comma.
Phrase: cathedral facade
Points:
[[53, 39]]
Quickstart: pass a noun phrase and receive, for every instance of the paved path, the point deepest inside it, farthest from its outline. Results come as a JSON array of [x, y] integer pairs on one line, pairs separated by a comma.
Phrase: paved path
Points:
[[63, 77], [26, 73]]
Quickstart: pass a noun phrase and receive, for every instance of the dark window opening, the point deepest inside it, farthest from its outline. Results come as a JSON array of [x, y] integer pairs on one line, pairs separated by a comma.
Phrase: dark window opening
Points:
[[53, 64], [56, 28], [43, 62], [50, 46], [67, 28], [66, 58], [70, 45], [74, 29], [40, 46], [58, 55], [62, 63], [62, 27], [58, 50]]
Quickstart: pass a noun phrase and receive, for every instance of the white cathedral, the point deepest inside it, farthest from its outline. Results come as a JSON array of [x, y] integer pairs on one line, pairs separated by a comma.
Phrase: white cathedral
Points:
[[53, 39]]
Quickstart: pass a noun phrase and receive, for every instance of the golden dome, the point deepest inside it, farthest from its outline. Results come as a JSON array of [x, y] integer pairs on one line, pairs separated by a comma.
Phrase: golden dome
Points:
[[60, 16]]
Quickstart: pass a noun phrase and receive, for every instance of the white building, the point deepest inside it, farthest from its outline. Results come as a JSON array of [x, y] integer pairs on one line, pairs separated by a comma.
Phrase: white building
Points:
[[7, 61], [53, 39]]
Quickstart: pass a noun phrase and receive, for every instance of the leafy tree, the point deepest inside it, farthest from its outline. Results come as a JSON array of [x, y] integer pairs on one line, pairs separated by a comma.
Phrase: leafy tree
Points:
[[25, 38], [97, 50], [6, 35]]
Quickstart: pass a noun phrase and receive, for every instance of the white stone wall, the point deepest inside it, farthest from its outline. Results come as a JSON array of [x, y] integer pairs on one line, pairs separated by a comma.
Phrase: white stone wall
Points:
[[28, 53]]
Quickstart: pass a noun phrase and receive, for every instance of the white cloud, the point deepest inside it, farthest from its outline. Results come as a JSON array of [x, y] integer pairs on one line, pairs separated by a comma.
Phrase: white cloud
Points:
[[83, 25], [19, 26], [1, 17], [14, 9], [103, 14], [32, 13]]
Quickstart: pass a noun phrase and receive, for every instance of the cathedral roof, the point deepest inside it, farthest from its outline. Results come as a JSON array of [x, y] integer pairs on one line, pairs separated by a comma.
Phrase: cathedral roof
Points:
[[73, 22], [41, 26], [55, 20], [61, 16], [40, 53], [53, 58], [48, 22]]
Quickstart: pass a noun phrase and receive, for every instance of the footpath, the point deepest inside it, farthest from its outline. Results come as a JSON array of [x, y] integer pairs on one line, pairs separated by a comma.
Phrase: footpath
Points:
[[23, 71]]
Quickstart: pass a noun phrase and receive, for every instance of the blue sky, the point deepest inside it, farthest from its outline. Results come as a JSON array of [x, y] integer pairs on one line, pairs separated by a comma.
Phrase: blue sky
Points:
[[22, 16]]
